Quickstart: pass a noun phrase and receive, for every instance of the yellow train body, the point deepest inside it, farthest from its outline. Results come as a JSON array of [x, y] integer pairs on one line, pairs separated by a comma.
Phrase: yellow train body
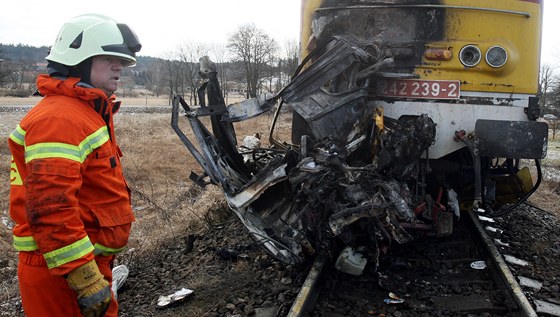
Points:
[[514, 25]]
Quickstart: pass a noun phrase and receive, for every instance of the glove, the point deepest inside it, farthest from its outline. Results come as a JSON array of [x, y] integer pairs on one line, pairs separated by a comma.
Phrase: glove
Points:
[[94, 292]]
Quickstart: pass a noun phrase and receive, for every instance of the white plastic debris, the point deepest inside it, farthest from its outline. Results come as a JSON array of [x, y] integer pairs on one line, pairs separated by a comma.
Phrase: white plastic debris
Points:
[[529, 282], [7, 222], [393, 299], [453, 202], [514, 260], [482, 218], [250, 142], [478, 265], [310, 165], [351, 262], [173, 298], [500, 243], [120, 273], [547, 308], [495, 230]]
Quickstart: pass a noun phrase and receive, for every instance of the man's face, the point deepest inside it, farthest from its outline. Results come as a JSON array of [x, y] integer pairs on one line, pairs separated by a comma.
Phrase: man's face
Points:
[[106, 73]]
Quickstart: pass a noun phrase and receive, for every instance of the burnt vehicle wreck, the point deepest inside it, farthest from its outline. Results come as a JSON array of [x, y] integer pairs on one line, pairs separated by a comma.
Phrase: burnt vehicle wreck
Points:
[[396, 126], [353, 179]]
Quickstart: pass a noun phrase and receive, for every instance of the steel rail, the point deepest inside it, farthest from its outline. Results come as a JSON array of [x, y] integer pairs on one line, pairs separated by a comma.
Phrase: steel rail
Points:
[[505, 273], [307, 293]]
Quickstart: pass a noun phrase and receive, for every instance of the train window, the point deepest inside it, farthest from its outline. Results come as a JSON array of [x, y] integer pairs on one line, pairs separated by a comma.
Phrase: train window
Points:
[[470, 55]]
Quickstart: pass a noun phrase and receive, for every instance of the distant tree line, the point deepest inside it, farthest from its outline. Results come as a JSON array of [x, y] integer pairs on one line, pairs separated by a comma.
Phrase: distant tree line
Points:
[[549, 96], [549, 89], [250, 63]]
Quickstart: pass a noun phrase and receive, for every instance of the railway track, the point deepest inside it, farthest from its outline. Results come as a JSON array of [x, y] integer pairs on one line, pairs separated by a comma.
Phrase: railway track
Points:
[[460, 275]]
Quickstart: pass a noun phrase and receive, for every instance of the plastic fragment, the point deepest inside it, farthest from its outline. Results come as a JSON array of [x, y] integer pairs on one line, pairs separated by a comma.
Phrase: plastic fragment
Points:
[[496, 230], [179, 295], [529, 282], [120, 273], [514, 260], [547, 308], [478, 265], [393, 299], [487, 219], [500, 243]]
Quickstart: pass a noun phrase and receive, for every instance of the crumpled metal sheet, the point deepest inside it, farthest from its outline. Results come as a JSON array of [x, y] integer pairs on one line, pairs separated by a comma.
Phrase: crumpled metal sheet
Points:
[[346, 181]]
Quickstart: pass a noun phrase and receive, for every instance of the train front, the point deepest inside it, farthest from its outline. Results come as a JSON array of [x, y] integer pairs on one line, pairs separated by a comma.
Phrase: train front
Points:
[[470, 66]]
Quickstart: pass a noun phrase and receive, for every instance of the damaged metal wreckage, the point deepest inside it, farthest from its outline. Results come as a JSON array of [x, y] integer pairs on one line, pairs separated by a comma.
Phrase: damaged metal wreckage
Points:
[[351, 180]]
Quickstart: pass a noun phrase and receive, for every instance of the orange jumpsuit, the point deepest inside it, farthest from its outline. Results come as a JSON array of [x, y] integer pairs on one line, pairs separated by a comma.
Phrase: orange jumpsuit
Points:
[[68, 195]]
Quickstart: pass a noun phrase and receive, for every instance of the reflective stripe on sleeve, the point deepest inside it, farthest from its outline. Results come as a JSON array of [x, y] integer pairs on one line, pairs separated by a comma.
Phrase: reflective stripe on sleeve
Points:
[[25, 243], [18, 135], [68, 151], [68, 253], [103, 250]]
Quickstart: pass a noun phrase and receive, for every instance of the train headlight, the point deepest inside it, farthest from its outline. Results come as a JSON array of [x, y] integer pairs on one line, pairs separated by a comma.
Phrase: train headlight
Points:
[[470, 55], [496, 56]]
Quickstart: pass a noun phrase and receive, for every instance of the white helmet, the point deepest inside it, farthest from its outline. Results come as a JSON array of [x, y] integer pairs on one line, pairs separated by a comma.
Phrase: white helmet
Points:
[[90, 35]]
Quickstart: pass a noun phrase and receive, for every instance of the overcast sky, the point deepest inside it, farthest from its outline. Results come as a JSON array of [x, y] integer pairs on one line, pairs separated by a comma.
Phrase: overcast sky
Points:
[[164, 24]]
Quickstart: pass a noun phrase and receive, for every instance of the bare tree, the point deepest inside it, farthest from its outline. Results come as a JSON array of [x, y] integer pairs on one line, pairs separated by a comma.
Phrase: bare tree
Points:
[[220, 56], [173, 80], [157, 77], [553, 124], [288, 63], [553, 98], [256, 50], [547, 82], [6, 70], [189, 53]]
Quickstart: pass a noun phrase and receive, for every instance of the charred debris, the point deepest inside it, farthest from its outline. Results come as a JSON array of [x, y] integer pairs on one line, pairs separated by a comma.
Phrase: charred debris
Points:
[[352, 183]]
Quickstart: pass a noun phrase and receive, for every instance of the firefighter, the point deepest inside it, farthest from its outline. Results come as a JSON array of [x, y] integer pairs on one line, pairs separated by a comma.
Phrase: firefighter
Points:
[[68, 197]]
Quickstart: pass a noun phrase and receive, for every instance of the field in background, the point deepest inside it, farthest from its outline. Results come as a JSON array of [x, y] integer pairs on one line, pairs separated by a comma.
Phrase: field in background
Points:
[[146, 101], [136, 101]]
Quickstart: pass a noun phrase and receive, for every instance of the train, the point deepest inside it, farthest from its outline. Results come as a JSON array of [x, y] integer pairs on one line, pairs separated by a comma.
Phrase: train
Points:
[[403, 115]]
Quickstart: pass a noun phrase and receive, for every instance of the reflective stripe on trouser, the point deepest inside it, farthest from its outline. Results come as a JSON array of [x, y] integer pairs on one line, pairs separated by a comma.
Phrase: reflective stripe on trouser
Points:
[[45, 295]]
